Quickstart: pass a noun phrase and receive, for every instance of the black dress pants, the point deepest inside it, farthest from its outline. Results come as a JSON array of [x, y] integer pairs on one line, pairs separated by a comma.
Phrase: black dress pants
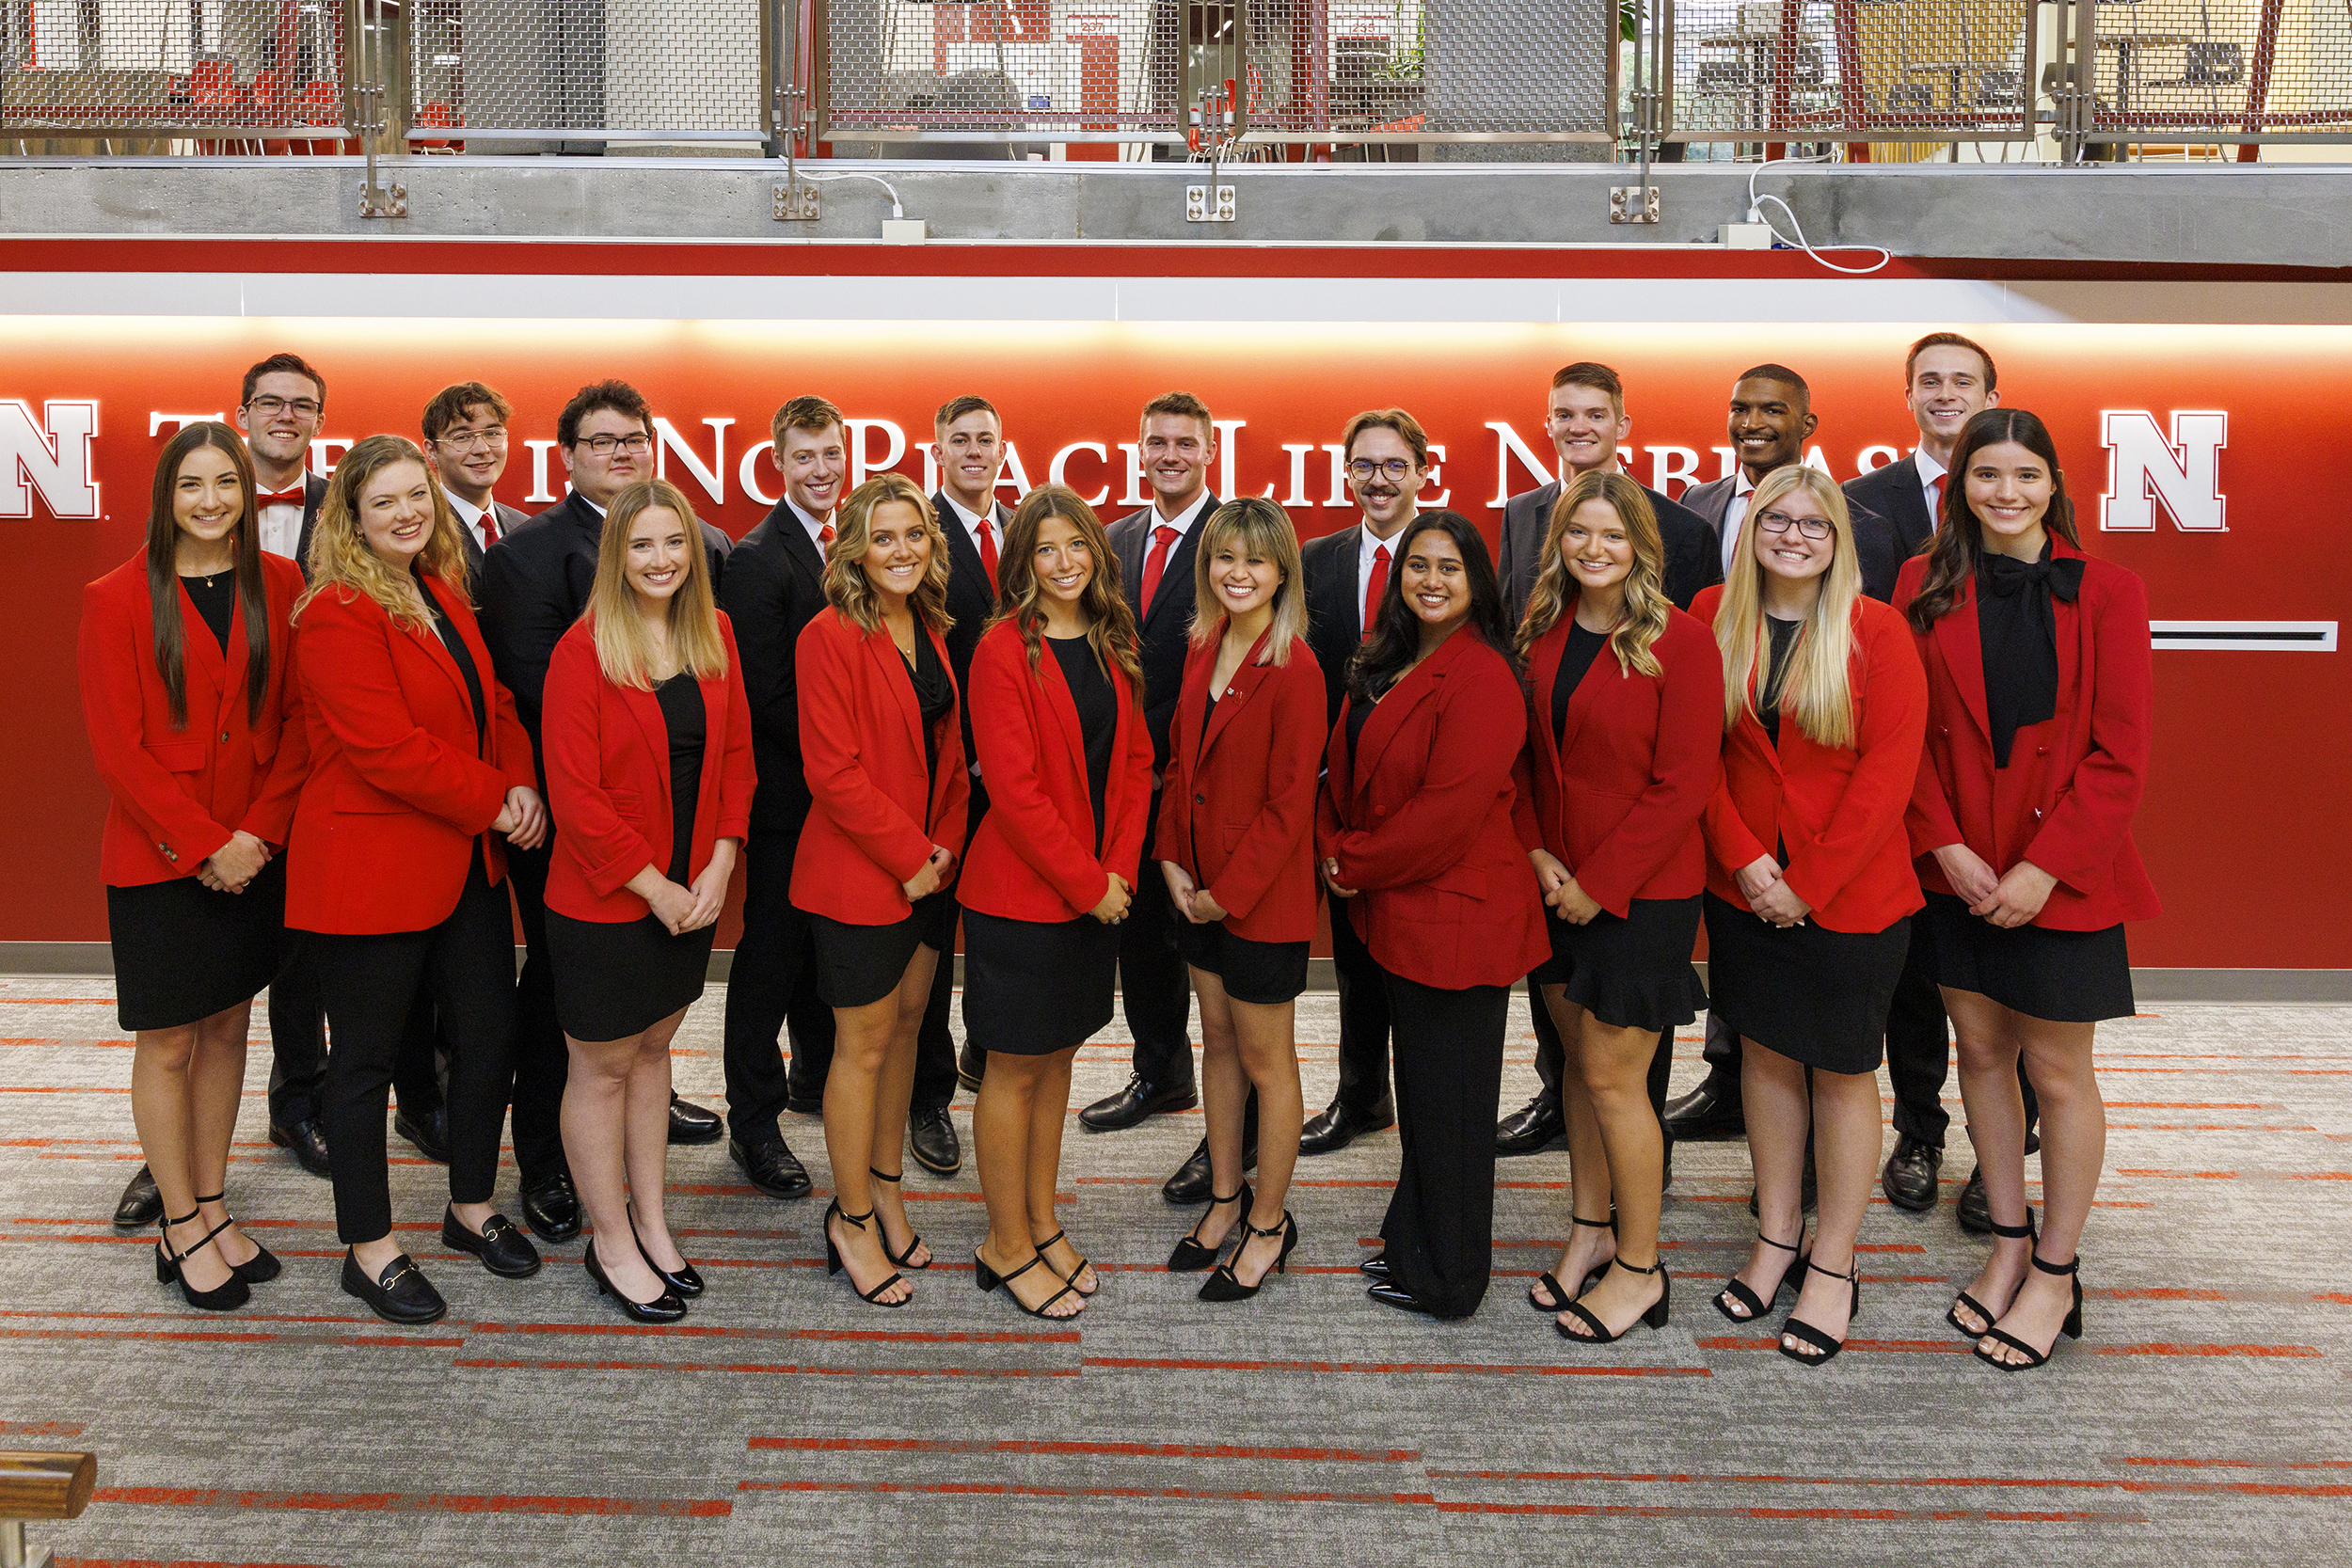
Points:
[[297, 1033], [935, 1047], [1154, 984], [1364, 1019], [541, 1059], [1551, 1057], [371, 984], [773, 982], [1439, 1232]]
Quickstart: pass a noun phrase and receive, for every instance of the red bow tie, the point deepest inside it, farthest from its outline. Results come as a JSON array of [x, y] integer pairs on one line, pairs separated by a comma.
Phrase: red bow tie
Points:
[[298, 495]]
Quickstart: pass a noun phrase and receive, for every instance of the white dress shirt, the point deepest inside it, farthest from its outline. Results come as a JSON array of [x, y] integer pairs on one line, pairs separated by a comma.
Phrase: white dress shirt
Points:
[[282, 524], [1929, 471], [472, 515], [1367, 546], [1735, 514], [974, 523]]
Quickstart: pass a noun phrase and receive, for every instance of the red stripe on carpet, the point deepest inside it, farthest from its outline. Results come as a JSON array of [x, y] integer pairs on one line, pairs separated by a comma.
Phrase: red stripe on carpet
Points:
[[1145, 1451], [412, 1502]]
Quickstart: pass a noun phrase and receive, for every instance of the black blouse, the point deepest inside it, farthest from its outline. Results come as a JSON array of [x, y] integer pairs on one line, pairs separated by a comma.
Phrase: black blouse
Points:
[[2017, 637], [934, 694], [456, 646], [681, 700], [1097, 701], [1576, 662], [216, 599], [1783, 640]]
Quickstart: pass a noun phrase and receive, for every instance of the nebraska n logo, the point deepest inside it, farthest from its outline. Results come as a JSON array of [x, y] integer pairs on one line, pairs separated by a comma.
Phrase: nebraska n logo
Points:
[[54, 456], [2143, 468]]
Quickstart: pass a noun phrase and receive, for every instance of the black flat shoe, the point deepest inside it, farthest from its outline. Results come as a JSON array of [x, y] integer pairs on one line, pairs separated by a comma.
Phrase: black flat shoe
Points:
[[1193, 1182], [227, 1296], [551, 1208], [931, 1138], [1137, 1103], [1819, 1346], [832, 1256], [1390, 1293], [1339, 1125], [914, 1241], [2072, 1327], [503, 1250], [1223, 1284], [685, 1282], [1711, 1111], [1561, 1295], [771, 1169], [1374, 1267], [263, 1266], [1191, 1256], [140, 1205], [306, 1139], [1654, 1314], [1751, 1305], [663, 1309], [1909, 1177], [691, 1124], [401, 1294], [429, 1133], [1531, 1129]]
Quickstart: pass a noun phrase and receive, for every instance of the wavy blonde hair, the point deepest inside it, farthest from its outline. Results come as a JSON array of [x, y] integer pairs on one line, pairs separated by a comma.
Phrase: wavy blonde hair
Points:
[[1646, 607], [1112, 623], [340, 556], [1816, 689], [851, 590], [625, 649], [1257, 527]]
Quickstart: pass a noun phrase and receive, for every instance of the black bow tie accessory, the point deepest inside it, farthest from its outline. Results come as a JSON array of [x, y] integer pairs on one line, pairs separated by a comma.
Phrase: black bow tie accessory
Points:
[[2060, 575]]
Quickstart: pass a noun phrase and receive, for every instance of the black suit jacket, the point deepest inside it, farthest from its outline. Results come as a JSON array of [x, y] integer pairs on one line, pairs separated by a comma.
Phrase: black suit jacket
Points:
[[313, 496], [1693, 560], [1335, 608], [1893, 492], [1874, 541], [774, 587], [509, 520], [1167, 628], [970, 599]]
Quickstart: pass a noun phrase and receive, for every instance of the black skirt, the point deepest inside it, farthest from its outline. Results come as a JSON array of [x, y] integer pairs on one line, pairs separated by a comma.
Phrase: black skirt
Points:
[[861, 964], [1814, 997], [620, 977], [183, 952], [1629, 974], [1267, 974], [2064, 977], [1032, 988]]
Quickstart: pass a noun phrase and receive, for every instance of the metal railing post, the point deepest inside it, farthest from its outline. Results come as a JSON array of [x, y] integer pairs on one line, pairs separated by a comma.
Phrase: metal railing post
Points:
[[365, 27]]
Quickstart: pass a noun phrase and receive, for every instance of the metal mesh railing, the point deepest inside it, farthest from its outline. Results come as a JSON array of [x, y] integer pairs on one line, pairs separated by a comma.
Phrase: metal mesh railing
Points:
[[2220, 70], [211, 69], [1852, 70]]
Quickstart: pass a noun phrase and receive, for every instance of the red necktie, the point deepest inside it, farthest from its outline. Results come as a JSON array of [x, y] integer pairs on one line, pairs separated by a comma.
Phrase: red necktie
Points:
[[1373, 584], [489, 526], [824, 534], [1937, 521], [296, 497], [1163, 537], [987, 550]]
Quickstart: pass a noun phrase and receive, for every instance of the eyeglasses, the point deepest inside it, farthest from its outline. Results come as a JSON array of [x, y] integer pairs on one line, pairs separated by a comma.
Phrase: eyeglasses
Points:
[[603, 446], [1780, 522], [1364, 468], [465, 440], [270, 407]]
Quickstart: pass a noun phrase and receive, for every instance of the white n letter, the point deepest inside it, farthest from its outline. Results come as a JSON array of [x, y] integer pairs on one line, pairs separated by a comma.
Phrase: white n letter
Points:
[[55, 456], [2143, 468], [713, 479], [1507, 446]]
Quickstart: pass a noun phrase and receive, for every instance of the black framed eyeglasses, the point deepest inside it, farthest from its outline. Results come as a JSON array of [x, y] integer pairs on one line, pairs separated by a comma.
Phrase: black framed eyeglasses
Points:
[[269, 407], [1390, 467], [1780, 522], [604, 446]]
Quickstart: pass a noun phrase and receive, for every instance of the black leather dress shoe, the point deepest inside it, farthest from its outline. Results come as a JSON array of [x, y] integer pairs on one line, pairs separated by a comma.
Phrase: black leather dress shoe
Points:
[[551, 1208], [503, 1250], [691, 1124], [1338, 1126], [932, 1134], [1135, 1103], [1532, 1128], [1974, 1208], [307, 1140], [971, 1064], [429, 1133], [1375, 1266], [401, 1294], [770, 1169], [1390, 1293], [1192, 1181], [141, 1205], [1709, 1111], [1908, 1178]]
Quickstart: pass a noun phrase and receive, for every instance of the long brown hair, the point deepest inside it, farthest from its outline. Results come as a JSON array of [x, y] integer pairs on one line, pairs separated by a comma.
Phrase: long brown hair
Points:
[[1646, 607], [624, 651], [340, 556], [847, 585], [1959, 535], [163, 575], [1113, 628], [1817, 689]]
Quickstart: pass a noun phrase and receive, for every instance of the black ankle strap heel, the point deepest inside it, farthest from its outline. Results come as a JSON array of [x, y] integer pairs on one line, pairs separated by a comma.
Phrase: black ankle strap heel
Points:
[[1737, 1293], [2072, 1327], [1986, 1315], [227, 1296], [1190, 1256], [914, 1241], [1654, 1315], [1225, 1285], [832, 1256], [1561, 1295], [263, 1266]]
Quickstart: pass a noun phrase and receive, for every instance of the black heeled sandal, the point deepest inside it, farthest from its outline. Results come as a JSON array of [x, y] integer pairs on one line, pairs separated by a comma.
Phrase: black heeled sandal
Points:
[[1071, 1278], [914, 1241], [1804, 1332], [2072, 1327], [230, 1294], [686, 1283], [1560, 1296], [1190, 1256], [988, 1279], [1737, 1293], [2009, 1233], [1225, 1285], [1654, 1314], [833, 1257], [263, 1266]]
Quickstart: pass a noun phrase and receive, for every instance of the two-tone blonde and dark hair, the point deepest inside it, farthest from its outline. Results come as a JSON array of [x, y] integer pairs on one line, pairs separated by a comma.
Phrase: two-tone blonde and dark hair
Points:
[[163, 576], [1816, 686], [1111, 624], [1643, 619], [625, 645], [339, 555], [1260, 530], [851, 590]]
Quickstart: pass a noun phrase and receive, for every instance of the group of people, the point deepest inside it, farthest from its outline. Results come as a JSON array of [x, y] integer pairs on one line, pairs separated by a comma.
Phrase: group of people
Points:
[[1875, 750]]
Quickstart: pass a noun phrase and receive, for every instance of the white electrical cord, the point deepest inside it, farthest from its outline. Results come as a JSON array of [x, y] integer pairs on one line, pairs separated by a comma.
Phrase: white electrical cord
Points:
[[895, 210], [1755, 214]]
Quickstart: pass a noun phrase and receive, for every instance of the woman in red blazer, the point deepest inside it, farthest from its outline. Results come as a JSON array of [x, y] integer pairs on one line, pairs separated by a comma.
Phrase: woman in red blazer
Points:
[[2040, 702], [1809, 886], [194, 720], [1413, 830], [881, 745], [1626, 700], [419, 767], [1236, 827], [648, 743], [1057, 711]]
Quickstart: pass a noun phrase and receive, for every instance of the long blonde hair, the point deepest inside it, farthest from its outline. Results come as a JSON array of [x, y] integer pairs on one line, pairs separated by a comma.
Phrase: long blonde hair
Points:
[[852, 592], [1646, 607], [1112, 623], [340, 556], [625, 648], [1256, 527], [1816, 688]]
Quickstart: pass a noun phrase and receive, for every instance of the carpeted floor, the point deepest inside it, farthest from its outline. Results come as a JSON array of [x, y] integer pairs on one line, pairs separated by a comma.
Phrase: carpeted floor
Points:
[[2197, 1421]]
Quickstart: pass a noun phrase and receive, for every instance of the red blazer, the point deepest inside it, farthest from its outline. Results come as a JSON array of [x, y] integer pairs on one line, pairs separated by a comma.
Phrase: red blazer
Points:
[[876, 807], [1619, 807], [178, 794], [1033, 855], [607, 765], [1420, 822], [1839, 811], [2065, 801], [397, 794], [1238, 809]]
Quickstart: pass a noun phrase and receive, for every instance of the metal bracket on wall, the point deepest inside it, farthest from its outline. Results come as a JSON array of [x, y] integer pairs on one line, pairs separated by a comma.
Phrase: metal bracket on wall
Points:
[[796, 203], [1208, 204], [378, 200], [1633, 203]]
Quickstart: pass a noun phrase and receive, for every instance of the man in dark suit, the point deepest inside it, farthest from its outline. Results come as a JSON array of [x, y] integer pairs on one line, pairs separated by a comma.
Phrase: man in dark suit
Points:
[[534, 584], [774, 587], [1177, 443]]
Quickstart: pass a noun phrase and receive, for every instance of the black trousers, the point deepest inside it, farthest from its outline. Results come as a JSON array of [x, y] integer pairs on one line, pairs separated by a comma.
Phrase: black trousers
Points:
[[541, 1059], [773, 982], [299, 1046], [1551, 1058], [1438, 1233], [935, 1047], [1364, 1019], [371, 984], [1154, 984]]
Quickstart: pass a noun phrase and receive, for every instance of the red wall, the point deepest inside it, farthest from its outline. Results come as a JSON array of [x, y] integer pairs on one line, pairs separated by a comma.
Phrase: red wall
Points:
[[2242, 824]]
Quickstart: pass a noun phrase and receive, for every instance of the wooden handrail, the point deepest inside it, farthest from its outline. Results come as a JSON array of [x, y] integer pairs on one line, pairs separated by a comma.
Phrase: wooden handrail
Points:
[[46, 1485]]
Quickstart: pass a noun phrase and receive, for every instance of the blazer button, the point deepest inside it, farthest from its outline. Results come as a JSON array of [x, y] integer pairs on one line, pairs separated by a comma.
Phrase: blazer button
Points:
[[1199, 800], [224, 738]]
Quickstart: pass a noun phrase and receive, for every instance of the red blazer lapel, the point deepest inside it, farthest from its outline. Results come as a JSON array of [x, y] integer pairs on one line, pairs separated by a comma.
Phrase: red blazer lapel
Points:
[[1389, 715], [1586, 695], [645, 708], [1751, 728], [1962, 643], [897, 679], [1245, 680], [438, 652], [2074, 632]]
